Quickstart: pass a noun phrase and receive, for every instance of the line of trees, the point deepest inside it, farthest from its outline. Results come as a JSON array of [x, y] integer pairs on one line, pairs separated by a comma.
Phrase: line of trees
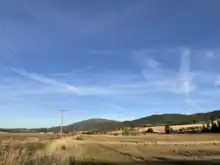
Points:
[[24, 130], [211, 126]]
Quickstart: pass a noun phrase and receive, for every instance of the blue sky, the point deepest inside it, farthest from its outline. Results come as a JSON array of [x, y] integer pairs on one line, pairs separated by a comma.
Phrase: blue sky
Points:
[[107, 59]]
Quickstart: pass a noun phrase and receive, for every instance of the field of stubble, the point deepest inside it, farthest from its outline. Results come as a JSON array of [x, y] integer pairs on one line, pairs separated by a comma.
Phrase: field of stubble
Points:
[[36, 149]]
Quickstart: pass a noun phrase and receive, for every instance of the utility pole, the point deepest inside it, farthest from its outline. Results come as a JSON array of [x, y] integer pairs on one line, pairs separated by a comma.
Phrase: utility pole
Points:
[[62, 117]]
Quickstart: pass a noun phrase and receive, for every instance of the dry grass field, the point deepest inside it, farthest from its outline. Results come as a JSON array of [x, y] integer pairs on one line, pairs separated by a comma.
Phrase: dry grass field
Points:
[[160, 129], [151, 137], [21, 149], [24, 136]]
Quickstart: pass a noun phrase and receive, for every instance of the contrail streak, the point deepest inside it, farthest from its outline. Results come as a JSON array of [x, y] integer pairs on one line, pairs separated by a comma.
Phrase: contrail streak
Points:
[[186, 78]]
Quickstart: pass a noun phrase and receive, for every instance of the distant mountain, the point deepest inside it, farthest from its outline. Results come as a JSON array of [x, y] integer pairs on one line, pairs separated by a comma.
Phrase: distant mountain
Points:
[[89, 125], [104, 124], [176, 118], [160, 119]]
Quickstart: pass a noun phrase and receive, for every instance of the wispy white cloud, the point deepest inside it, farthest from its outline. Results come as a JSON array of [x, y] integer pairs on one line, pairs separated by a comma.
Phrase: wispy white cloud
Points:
[[186, 80], [60, 87], [53, 86], [185, 76], [151, 63], [154, 77], [163, 79], [46, 80]]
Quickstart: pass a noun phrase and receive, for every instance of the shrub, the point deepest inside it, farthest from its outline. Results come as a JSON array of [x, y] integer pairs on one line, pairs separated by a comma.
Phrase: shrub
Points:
[[167, 129], [134, 133], [208, 126], [218, 122], [79, 138], [211, 127], [150, 130], [214, 127], [125, 132], [63, 147]]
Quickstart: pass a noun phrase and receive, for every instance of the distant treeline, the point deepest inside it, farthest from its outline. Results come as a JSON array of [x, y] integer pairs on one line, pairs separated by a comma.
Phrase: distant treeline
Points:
[[23, 130]]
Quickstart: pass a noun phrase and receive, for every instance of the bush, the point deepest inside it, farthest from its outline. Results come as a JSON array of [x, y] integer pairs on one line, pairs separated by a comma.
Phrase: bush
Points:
[[115, 134], [125, 132], [63, 147], [150, 130], [208, 125], [79, 138], [218, 122], [90, 133], [214, 128], [134, 133], [167, 129]]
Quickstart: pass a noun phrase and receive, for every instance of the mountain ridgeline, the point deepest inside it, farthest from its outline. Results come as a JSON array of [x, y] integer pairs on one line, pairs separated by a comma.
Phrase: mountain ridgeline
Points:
[[89, 125], [104, 124]]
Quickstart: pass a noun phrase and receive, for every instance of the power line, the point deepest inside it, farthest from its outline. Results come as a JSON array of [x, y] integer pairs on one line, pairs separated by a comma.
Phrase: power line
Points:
[[62, 118]]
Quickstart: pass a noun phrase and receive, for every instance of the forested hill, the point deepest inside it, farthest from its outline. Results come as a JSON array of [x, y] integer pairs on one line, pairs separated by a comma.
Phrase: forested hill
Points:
[[102, 124]]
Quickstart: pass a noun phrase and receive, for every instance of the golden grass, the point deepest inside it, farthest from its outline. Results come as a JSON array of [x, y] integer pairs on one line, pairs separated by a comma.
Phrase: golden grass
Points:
[[38, 153], [160, 129], [154, 137], [24, 136], [103, 148]]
